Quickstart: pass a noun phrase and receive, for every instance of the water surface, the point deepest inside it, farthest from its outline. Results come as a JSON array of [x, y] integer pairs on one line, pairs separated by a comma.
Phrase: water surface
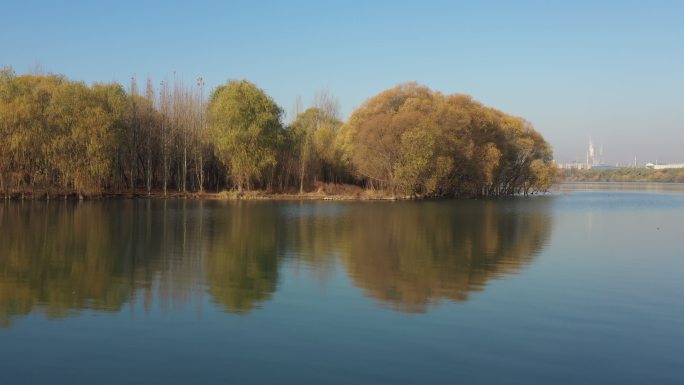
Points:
[[574, 287]]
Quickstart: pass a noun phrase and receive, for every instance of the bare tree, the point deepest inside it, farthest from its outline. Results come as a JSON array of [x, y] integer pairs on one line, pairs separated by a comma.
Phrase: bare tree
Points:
[[149, 95], [327, 103], [132, 132], [180, 126], [200, 133], [297, 109], [165, 107]]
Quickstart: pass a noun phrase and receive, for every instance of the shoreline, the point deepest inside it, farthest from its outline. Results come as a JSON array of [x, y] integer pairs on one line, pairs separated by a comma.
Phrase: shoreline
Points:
[[260, 195], [218, 196]]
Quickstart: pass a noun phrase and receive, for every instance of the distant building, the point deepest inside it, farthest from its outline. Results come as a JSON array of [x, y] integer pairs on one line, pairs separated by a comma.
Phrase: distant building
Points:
[[572, 166], [591, 158], [664, 166], [594, 161]]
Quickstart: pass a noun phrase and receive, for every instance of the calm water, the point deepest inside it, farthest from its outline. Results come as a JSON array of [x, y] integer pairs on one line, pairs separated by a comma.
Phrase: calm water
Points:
[[576, 287]]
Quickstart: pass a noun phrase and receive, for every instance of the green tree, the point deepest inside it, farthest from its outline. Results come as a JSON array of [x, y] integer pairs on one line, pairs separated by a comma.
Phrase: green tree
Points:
[[6, 94], [244, 123]]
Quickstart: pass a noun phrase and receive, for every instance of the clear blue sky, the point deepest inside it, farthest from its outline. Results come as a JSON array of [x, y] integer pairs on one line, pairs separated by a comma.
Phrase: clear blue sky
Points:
[[613, 70]]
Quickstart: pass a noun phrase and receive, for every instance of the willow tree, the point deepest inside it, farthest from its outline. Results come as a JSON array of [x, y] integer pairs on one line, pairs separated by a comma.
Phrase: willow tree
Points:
[[415, 141], [6, 94], [24, 108], [58, 133], [244, 125], [394, 139]]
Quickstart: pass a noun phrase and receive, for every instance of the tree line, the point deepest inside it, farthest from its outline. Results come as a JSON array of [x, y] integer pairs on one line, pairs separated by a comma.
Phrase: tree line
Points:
[[59, 136], [623, 175]]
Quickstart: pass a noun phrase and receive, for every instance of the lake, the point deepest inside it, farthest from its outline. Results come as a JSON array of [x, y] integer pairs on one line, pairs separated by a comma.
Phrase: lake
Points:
[[584, 285]]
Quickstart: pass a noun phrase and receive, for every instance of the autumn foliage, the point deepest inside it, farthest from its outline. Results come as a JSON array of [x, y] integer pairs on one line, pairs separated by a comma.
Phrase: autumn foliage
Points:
[[411, 140], [64, 137]]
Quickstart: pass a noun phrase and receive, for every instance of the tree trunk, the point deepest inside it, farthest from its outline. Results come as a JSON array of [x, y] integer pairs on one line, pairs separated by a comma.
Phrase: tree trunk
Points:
[[185, 162]]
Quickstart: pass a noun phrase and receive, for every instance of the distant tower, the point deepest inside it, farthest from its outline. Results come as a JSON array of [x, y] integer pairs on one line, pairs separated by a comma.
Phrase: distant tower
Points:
[[600, 159], [591, 161]]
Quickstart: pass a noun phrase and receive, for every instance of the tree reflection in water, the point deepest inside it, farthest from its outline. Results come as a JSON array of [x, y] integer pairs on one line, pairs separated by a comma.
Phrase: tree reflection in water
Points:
[[417, 254], [61, 257]]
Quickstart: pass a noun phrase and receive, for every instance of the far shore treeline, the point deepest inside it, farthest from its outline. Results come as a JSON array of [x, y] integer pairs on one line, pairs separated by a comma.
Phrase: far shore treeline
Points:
[[63, 137], [626, 174]]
